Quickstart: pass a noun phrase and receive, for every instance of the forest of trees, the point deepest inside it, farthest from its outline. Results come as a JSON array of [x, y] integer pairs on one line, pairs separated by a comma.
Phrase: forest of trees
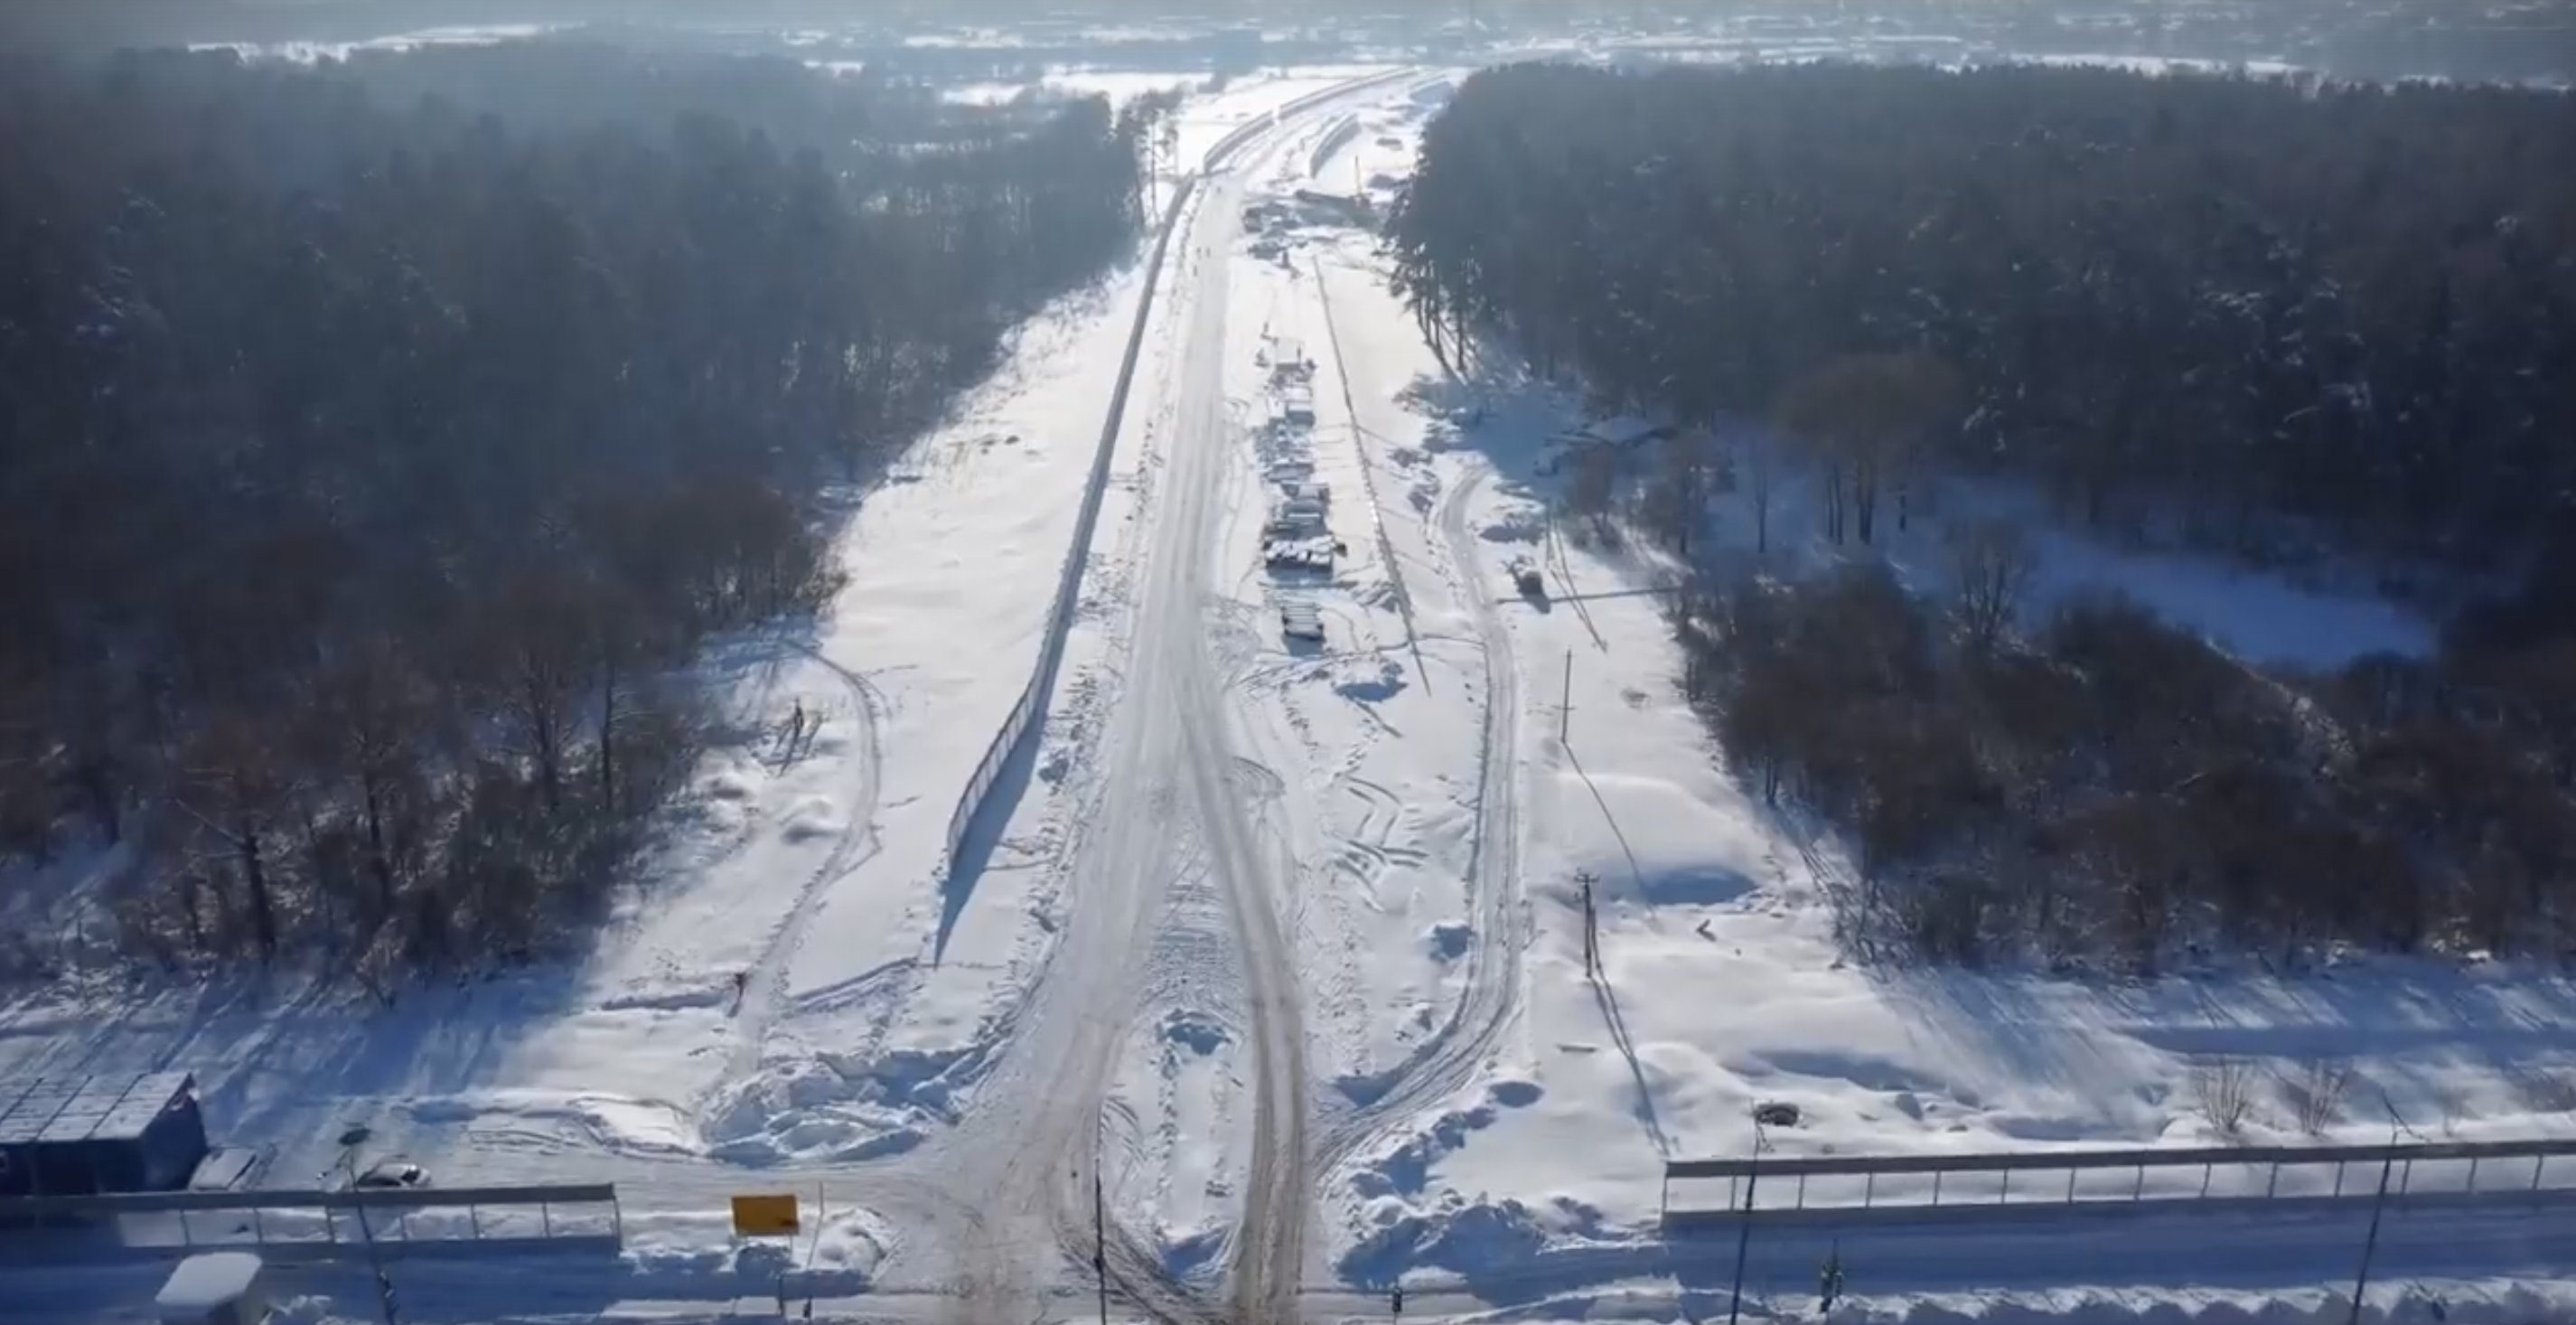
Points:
[[2267, 319], [371, 462]]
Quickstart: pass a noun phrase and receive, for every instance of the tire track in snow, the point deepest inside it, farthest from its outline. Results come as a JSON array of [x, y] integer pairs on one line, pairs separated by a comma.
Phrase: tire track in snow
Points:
[[1452, 1056], [765, 985]]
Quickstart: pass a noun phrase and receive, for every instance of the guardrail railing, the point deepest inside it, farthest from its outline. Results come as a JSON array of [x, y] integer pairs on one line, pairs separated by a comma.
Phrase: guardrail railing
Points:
[[2045, 1183], [315, 1224]]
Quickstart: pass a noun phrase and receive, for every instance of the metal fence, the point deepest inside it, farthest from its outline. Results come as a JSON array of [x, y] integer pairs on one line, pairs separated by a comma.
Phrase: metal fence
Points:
[[316, 1225], [2047, 1184]]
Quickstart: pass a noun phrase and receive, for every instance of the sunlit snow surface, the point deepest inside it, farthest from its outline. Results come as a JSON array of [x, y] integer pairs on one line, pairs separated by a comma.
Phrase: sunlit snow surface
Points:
[[878, 999]]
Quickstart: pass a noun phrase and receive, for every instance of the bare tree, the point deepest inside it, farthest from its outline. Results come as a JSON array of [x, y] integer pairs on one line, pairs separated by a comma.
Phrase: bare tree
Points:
[[1591, 488], [1677, 503], [2224, 1090], [1866, 414], [1993, 565], [2315, 1090], [1760, 468]]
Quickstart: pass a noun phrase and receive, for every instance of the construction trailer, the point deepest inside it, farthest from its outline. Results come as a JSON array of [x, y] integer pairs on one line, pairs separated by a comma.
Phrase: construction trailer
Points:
[[86, 1135]]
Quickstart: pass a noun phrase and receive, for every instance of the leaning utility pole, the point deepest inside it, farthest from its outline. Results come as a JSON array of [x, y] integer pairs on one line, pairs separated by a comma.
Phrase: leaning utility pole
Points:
[[1100, 1242], [2378, 1205], [1744, 1226]]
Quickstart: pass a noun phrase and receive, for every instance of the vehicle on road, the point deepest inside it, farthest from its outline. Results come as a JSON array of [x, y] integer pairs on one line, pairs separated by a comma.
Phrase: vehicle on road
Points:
[[391, 1175]]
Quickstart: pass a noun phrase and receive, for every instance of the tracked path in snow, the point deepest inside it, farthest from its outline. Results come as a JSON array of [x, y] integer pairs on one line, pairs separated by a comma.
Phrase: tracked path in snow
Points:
[[765, 990], [1460, 1048]]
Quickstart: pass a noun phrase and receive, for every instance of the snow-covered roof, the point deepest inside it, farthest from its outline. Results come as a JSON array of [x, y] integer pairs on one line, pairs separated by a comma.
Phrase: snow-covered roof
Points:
[[1621, 429], [208, 1282]]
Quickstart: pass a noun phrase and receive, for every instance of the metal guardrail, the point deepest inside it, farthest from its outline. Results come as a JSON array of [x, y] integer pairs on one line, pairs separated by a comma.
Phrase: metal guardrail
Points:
[[109, 1204], [316, 1224], [2090, 1160], [2050, 1183]]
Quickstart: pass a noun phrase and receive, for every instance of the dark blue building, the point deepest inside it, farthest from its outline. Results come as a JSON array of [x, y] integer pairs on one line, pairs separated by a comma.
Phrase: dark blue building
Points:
[[74, 1136]]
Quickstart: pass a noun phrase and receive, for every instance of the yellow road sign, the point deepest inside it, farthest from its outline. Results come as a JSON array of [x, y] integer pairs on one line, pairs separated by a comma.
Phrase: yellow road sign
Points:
[[764, 1216]]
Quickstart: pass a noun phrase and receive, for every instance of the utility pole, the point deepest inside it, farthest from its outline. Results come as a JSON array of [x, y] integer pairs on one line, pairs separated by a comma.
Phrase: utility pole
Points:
[[2378, 1205], [367, 1231], [1591, 928], [1565, 706], [1744, 1226], [1100, 1241]]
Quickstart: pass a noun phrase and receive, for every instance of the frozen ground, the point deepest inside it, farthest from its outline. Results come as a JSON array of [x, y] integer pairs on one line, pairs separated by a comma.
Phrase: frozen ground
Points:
[[1280, 942]]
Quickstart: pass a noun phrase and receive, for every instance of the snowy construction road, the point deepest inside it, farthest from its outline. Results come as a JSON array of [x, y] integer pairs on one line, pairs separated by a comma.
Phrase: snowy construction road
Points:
[[1166, 803], [1165, 784]]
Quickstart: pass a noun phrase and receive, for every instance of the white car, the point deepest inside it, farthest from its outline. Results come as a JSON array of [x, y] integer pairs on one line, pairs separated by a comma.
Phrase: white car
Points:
[[392, 1175]]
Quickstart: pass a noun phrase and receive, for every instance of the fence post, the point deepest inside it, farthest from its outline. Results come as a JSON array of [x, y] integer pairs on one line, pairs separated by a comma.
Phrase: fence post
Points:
[[2003, 1194], [546, 1214], [2272, 1186]]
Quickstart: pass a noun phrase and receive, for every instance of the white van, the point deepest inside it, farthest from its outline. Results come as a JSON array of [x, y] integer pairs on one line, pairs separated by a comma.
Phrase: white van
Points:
[[215, 1288]]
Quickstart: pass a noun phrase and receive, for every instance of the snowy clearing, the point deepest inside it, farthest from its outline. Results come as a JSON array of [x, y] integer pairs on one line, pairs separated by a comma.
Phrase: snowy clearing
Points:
[[808, 870], [1723, 986]]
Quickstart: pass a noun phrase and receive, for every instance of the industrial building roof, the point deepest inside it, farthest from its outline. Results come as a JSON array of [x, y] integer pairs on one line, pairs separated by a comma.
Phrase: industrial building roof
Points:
[[109, 1107]]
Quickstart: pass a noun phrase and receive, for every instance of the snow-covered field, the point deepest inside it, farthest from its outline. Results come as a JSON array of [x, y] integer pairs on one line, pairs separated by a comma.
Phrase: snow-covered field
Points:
[[307, 52], [1279, 941]]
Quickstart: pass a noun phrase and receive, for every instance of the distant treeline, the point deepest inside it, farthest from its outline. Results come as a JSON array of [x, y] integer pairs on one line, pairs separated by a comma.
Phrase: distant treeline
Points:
[[368, 459], [2224, 299], [2278, 320]]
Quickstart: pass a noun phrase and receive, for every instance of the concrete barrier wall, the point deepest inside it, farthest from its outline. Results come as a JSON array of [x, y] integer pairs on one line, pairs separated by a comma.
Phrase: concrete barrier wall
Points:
[[1345, 128], [1068, 591]]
